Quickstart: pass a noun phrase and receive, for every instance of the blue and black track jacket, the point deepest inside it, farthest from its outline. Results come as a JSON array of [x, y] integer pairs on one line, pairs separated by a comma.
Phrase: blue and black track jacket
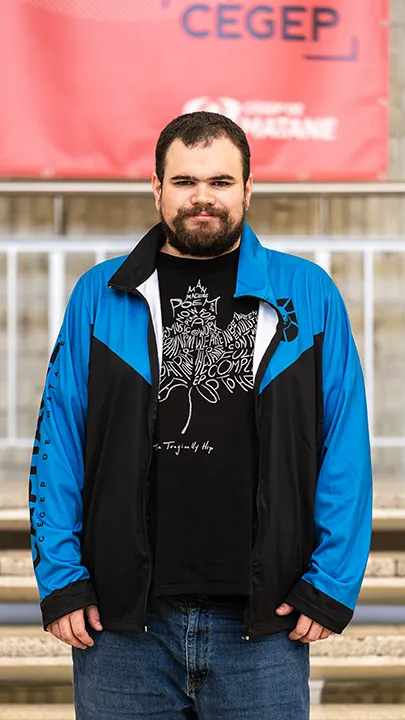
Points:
[[93, 445]]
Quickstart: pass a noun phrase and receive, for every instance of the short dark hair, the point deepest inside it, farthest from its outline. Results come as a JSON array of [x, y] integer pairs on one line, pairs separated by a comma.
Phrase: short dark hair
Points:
[[200, 128]]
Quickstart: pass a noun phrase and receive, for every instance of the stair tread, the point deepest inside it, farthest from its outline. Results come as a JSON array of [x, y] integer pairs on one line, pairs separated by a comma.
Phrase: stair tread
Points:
[[357, 712], [51, 711]]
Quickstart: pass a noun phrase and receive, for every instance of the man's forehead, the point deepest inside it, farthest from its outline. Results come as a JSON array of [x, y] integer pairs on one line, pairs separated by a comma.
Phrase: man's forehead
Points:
[[219, 157]]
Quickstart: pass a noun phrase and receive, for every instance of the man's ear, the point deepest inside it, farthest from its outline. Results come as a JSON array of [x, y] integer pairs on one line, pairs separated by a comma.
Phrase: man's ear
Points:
[[157, 190], [248, 191]]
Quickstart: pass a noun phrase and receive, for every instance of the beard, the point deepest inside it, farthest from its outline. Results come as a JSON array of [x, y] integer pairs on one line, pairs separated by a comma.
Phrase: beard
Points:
[[208, 238]]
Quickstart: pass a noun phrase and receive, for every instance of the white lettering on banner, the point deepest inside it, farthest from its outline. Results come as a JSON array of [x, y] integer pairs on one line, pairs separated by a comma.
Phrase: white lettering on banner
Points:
[[264, 119]]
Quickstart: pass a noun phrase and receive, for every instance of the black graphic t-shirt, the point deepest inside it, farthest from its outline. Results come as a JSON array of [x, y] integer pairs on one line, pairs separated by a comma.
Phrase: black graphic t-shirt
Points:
[[204, 470]]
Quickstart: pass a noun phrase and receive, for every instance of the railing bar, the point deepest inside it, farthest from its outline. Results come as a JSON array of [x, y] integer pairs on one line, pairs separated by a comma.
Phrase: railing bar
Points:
[[387, 442], [323, 215], [56, 295], [86, 245], [332, 243], [384, 442], [100, 256], [108, 187], [58, 215], [58, 247], [66, 246], [119, 243], [324, 259], [15, 442], [12, 328]]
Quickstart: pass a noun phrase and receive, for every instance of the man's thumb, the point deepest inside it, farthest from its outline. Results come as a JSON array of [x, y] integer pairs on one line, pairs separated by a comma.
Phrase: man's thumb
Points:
[[94, 617], [284, 609]]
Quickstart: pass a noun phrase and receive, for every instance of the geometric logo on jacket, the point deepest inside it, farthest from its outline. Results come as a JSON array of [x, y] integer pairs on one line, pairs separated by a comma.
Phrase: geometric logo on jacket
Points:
[[287, 310]]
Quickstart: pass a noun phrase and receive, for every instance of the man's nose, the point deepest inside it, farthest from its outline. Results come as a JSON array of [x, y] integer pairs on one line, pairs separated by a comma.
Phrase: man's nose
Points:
[[202, 195]]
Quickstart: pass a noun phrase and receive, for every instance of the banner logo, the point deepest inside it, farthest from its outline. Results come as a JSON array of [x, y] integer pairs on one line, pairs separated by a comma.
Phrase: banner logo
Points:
[[264, 119]]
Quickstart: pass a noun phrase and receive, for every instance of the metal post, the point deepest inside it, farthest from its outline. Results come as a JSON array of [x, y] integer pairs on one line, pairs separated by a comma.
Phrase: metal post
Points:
[[100, 256], [324, 259], [56, 275], [56, 295], [368, 301], [12, 269]]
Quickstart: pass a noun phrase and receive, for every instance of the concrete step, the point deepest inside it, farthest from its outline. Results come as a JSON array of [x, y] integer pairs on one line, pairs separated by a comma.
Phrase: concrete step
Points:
[[385, 564], [384, 519], [356, 668], [17, 580], [383, 591], [384, 582], [357, 712], [361, 652], [14, 520], [318, 712], [16, 563], [388, 519], [36, 712], [15, 589], [374, 591], [28, 653]]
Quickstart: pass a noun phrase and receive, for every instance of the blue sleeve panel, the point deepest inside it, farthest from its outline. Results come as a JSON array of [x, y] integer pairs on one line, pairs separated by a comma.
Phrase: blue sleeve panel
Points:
[[303, 284], [57, 467], [127, 338], [57, 470], [343, 500]]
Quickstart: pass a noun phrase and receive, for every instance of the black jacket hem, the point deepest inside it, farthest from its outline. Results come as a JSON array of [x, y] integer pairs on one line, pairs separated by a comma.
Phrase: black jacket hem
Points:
[[314, 603], [72, 597], [122, 625], [279, 624]]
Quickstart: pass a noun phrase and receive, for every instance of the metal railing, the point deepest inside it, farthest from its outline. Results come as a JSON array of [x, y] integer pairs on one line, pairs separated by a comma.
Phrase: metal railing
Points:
[[57, 248]]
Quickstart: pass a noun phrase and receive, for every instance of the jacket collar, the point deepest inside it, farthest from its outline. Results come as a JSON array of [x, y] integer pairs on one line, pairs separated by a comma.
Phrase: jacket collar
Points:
[[253, 276], [140, 263]]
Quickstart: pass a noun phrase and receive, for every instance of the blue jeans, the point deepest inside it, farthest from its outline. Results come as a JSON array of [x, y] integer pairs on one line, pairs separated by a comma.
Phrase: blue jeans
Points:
[[192, 662]]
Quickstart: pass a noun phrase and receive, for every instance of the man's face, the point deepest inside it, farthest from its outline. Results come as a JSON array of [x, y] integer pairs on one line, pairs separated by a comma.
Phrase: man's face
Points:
[[203, 200]]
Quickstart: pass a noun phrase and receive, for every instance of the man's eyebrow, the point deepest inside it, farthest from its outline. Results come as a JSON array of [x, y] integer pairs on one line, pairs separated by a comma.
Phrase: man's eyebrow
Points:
[[195, 179]]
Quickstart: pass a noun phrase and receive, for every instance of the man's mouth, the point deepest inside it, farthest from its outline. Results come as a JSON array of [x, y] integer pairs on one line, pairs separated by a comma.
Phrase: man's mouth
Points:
[[203, 215]]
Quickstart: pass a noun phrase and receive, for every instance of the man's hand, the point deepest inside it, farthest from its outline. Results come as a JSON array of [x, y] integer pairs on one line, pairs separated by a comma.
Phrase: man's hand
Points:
[[306, 630], [70, 628]]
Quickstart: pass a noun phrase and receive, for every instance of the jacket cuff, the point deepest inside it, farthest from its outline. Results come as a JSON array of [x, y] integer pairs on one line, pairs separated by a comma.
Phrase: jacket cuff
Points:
[[319, 607], [72, 597]]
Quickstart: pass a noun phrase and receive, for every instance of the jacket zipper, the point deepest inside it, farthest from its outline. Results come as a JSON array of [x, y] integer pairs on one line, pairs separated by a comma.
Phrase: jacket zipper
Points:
[[259, 376], [152, 418], [151, 423]]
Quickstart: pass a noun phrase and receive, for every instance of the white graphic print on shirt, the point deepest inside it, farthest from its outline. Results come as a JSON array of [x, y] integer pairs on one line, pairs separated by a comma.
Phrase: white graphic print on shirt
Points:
[[202, 357]]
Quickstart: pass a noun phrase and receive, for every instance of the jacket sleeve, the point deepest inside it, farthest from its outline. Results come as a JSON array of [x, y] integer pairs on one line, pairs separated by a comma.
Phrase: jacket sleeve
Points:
[[328, 591], [57, 470]]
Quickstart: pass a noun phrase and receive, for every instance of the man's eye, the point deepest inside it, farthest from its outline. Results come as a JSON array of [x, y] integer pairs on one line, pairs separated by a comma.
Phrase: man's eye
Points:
[[184, 182], [221, 183]]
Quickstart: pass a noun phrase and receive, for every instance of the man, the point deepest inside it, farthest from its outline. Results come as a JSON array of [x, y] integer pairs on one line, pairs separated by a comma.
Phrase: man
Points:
[[200, 484]]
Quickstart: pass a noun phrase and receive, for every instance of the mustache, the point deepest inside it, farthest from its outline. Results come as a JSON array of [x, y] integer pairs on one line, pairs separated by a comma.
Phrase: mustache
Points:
[[198, 209]]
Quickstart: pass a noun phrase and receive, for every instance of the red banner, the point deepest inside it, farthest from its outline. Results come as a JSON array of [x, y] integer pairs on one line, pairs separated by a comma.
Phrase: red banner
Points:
[[86, 86]]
